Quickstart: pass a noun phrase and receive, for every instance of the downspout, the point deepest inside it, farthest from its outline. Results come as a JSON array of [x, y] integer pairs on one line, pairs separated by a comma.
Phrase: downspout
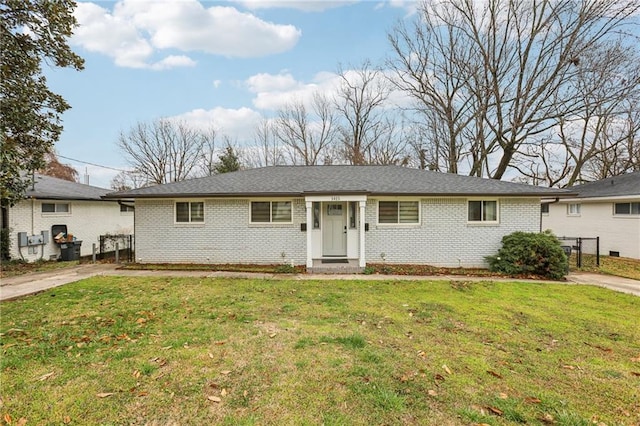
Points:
[[552, 202]]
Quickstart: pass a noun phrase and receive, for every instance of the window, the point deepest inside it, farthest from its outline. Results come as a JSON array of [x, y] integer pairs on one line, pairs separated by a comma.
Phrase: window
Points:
[[482, 211], [353, 206], [573, 209], [627, 208], [316, 215], [398, 212], [271, 212], [544, 208], [190, 212], [55, 208], [125, 208]]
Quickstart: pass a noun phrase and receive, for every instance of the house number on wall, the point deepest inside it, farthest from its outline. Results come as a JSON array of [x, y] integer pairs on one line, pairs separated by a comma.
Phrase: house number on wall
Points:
[[335, 198]]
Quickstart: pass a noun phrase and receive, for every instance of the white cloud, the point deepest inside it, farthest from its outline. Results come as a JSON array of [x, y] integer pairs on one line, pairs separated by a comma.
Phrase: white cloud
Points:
[[134, 31], [239, 124], [304, 5]]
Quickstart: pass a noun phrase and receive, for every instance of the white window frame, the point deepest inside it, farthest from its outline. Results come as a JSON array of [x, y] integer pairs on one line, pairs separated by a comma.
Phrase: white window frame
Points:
[[55, 208], [190, 221], [398, 223], [482, 220], [631, 213], [574, 209], [271, 222]]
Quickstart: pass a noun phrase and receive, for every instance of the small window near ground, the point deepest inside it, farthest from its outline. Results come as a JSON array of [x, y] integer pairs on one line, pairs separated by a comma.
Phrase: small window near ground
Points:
[[398, 212], [55, 208], [190, 212], [482, 211], [271, 212], [573, 209], [544, 208], [627, 208]]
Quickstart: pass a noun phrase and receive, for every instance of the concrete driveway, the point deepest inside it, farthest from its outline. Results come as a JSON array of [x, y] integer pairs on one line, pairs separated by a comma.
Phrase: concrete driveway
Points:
[[22, 285]]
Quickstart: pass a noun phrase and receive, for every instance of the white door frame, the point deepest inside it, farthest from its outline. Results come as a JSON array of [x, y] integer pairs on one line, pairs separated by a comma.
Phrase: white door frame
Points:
[[361, 199]]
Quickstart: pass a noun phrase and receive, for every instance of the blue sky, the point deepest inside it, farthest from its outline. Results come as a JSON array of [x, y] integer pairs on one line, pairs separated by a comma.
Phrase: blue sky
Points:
[[225, 64]]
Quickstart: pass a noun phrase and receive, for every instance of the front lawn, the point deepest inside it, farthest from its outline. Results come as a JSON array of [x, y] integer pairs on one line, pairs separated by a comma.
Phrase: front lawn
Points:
[[121, 350]]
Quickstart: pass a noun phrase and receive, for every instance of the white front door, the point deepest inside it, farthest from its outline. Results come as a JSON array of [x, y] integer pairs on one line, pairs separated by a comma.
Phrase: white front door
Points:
[[334, 229]]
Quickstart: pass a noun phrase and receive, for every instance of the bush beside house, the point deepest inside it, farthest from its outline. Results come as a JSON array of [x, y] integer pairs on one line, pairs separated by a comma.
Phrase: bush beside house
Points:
[[530, 253]]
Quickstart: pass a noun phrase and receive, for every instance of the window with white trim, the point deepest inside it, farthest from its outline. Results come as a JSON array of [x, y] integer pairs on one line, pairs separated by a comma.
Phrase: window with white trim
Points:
[[56, 208], [271, 212], [573, 209], [398, 212], [482, 211], [190, 212], [626, 209]]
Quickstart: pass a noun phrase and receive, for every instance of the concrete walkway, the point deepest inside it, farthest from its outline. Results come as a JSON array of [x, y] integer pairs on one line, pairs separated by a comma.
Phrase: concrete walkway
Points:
[[22, 285]]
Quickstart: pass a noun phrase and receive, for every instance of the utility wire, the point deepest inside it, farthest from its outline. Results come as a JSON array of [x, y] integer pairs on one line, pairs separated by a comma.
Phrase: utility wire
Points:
[[92, 164]]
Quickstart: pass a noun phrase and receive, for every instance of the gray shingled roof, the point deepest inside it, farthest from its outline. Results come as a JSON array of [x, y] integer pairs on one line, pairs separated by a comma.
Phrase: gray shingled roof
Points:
[[306, 180], [50, 188], [623, 185]]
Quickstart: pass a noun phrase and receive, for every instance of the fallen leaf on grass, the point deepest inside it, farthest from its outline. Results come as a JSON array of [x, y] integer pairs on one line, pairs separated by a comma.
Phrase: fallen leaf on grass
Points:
[[446, 369], [143, 393], [225, 372], [547, 419], [7, 418], [636, 359], [216, 399], [136, 374], [569, 367], [532, 400], [141, 321], [22, 421], [210, 355], [104, 394], [223, 392], [66, 420], [494, 410], [45, 376], [431, 392], [220, 342], [272, 335], [635, 373], [503, 395], [494, 374]]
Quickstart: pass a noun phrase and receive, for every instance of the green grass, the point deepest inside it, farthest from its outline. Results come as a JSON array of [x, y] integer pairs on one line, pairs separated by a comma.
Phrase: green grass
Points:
[[116, 350]]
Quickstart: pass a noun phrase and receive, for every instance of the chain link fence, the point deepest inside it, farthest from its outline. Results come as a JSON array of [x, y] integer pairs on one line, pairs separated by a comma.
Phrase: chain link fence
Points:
[[583, 252]]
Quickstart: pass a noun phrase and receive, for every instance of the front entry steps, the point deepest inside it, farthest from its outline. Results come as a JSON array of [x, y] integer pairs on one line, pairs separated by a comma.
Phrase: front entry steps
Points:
[[335, 266]]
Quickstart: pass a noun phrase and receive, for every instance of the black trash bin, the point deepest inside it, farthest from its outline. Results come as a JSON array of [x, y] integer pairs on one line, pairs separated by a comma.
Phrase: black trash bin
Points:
[[70, 251]]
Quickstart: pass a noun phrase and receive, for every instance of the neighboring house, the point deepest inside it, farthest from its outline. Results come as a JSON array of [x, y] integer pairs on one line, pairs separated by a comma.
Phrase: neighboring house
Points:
[[309, 215], [609, 209], [52, 204]]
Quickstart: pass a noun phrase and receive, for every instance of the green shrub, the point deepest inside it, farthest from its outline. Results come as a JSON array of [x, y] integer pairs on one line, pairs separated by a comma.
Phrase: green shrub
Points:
[[530, 253]]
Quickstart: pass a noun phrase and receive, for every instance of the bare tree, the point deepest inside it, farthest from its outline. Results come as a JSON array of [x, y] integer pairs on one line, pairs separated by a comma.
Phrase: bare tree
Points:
[[163, 151], [124, 181], [306, 134], [360, 103], [499, 73], [267, 151], [598, 141]]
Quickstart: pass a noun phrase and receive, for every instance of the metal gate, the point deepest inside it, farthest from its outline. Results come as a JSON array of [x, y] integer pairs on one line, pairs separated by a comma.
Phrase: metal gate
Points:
[[584, 251]]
